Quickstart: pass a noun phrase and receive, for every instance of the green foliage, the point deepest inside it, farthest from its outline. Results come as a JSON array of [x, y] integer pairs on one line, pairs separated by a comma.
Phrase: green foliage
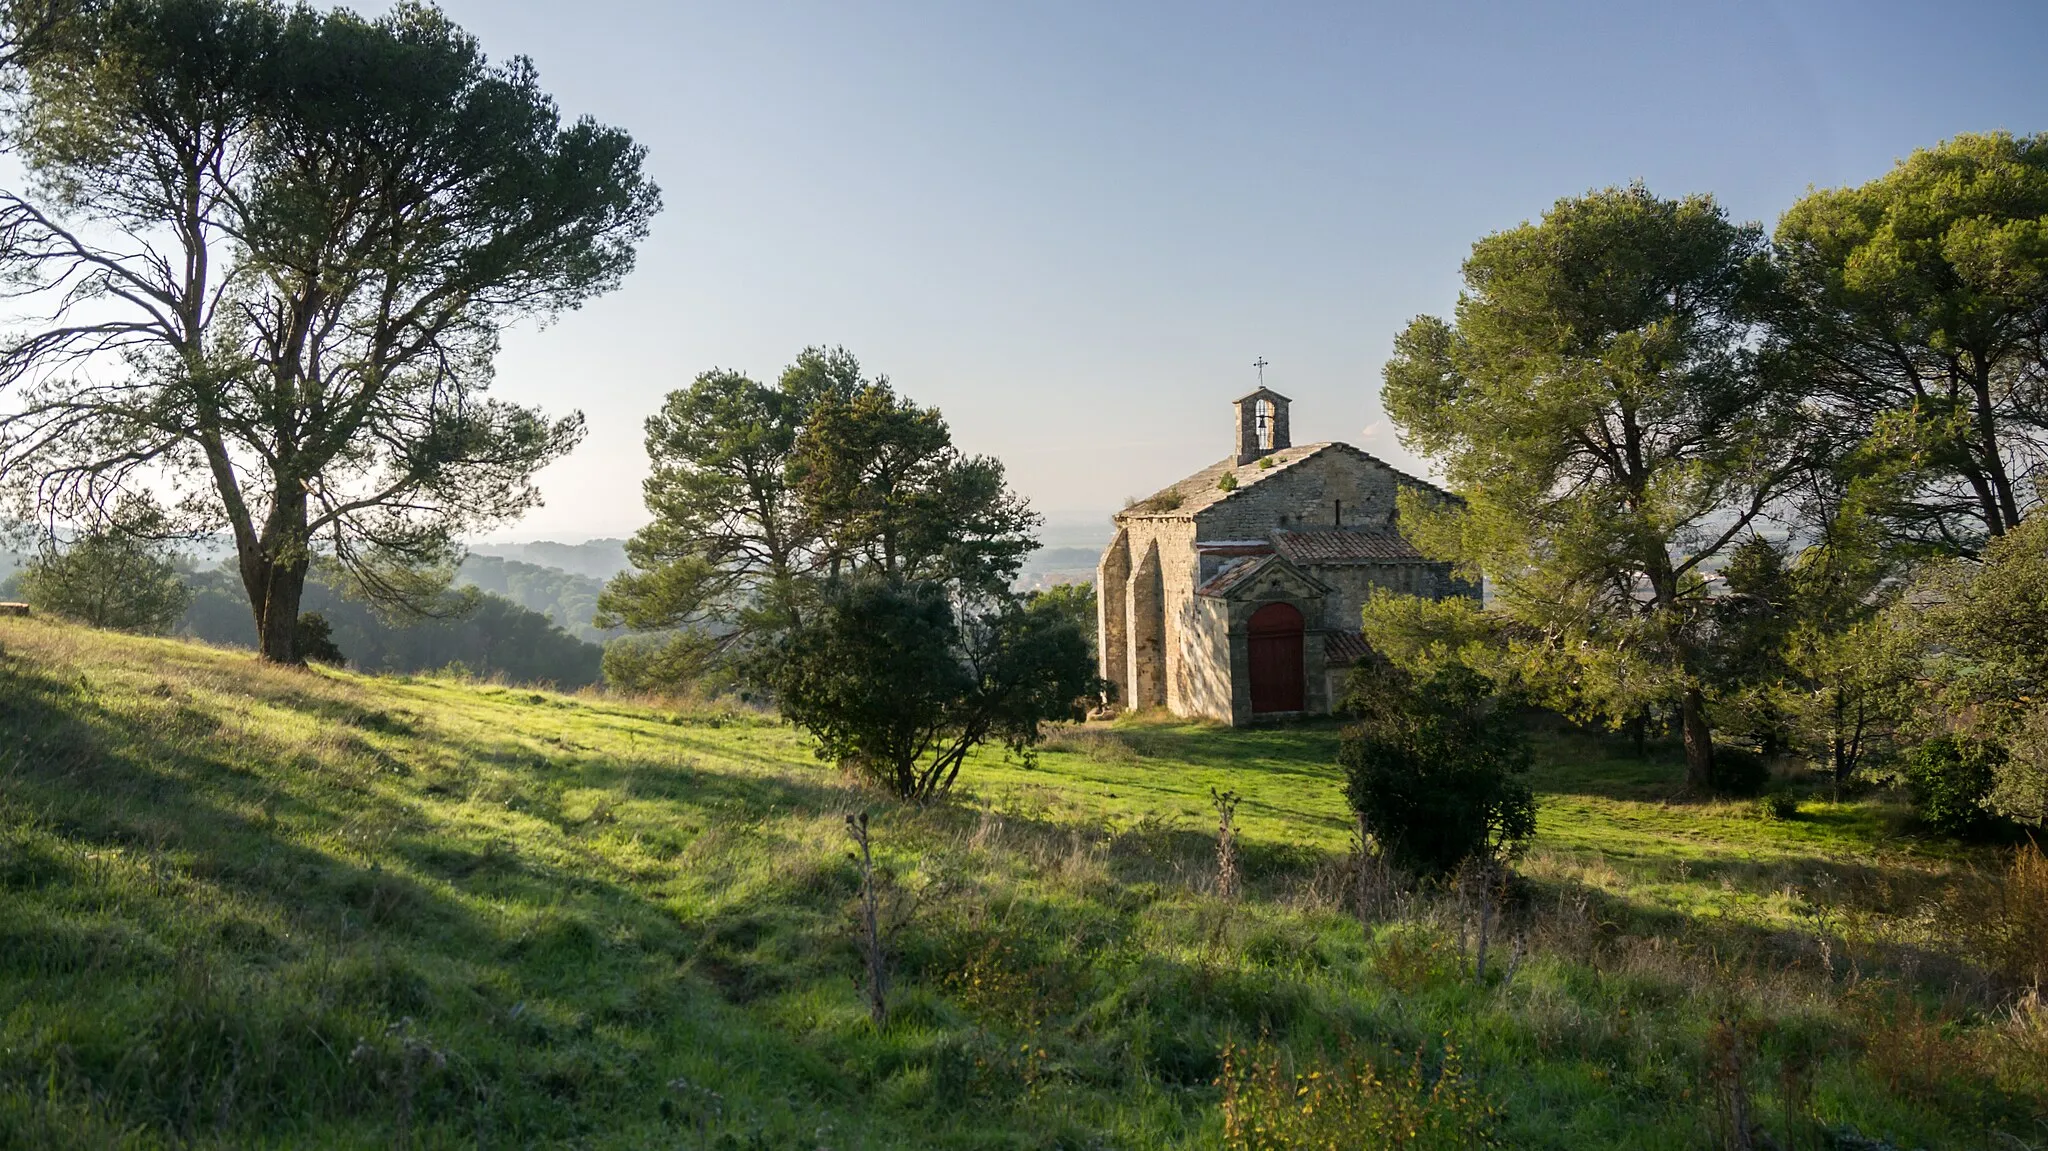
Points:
[[107, 579], [1164, 501], [1981, 633], [884, 489], [1904, 303], [1075, 602], [1777, 805], [1599, 406], [759, 494], [331, 219], [659, 662], [1952, 779], [728, 545], [1228, 483], [1422, 636], [568, 599], [894, 681], [1433, 766], [315, 641]]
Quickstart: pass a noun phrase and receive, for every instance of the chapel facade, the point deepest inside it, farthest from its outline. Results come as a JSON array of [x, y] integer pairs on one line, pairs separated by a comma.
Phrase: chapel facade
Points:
[[1235, 593]]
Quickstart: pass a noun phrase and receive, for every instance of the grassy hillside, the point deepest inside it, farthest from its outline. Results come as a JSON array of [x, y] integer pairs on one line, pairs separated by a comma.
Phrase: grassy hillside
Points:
[[241, 906]]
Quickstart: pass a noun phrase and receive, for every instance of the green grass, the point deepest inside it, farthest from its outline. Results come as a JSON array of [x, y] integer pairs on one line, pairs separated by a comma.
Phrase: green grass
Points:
[[243, 907]]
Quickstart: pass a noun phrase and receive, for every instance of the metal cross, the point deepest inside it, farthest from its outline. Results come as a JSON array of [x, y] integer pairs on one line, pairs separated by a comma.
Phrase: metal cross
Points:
[[1260, 364]]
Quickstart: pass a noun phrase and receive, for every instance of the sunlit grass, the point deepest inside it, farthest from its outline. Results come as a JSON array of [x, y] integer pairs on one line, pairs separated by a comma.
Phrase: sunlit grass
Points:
[[245, 906]]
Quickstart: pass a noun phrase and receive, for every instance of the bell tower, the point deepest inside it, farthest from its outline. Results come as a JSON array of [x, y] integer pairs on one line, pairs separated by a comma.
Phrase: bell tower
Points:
[[1261, 424]]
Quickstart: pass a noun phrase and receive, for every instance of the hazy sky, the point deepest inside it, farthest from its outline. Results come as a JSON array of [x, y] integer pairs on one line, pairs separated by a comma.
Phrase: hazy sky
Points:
[[1073, 226]]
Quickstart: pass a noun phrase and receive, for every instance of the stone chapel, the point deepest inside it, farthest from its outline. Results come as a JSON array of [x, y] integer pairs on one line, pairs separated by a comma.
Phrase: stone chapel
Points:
[[1235, 593]]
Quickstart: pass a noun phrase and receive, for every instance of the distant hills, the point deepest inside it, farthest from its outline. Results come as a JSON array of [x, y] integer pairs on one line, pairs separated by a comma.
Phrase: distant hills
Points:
[[599, 559]]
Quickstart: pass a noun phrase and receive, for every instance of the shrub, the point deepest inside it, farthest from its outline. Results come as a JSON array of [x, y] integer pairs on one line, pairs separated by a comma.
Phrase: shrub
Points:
[[896, 680], [1950, 777], [107, 579], [1739, 771], [1228, 483], [1777, 805], [313, 640], [1433, 767]]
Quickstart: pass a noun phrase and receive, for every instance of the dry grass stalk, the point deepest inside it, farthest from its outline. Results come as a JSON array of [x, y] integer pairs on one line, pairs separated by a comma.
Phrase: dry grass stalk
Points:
[[869, 926], [1229, 880]]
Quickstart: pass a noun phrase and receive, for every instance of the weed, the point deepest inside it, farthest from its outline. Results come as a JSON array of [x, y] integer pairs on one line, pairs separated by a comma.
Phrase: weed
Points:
[[1355, 1104]]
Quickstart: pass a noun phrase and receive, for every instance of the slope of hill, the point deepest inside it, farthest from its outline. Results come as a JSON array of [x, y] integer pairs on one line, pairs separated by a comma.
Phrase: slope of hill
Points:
[[243, 906]]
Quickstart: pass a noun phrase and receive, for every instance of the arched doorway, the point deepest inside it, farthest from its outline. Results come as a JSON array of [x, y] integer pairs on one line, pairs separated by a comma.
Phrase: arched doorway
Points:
[[1274, 639]]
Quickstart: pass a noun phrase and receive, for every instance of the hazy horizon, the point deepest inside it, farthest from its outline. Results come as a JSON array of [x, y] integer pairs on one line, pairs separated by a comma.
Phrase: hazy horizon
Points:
[[1074, 227]]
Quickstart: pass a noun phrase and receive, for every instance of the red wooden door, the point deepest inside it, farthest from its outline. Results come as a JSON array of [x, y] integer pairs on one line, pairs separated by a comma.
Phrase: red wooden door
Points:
[[1275, 642]]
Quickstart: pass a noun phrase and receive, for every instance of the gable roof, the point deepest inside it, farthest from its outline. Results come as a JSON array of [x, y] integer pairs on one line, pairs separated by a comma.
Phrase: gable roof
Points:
[[1231, 580], [1199, 492]]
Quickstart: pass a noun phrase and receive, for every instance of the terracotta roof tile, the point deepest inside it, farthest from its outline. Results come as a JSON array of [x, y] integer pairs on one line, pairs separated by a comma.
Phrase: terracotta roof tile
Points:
[[1237, 573], [1343, 648], [1342, 546]]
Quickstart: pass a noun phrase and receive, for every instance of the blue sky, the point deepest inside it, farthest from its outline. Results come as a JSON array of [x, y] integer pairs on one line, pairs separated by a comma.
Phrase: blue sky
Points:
[[1073, 226]]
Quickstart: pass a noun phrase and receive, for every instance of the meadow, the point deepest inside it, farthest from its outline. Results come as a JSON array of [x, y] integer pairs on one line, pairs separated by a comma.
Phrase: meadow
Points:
[[245, 906]]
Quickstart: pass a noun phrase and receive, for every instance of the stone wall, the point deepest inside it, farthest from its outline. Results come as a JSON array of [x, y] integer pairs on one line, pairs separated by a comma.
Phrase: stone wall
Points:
[[1306, 497], [1206, 675], [1145, 613], [1352, 584], [1169, 545], [1113, 637]]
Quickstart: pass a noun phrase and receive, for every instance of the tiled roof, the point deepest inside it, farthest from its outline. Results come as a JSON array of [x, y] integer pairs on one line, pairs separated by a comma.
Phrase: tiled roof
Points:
[[1221, 583], [1341, 648], [1342, 546]]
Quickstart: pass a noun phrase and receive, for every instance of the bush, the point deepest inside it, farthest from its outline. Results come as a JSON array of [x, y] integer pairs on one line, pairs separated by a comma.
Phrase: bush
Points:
[[1950, 778], [1432, 766], [896, 680], [313, 640], [1777, 806], [1739, 771], [107, 579]]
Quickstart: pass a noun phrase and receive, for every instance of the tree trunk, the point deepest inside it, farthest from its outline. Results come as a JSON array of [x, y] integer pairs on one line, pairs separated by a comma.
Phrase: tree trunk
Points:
[[1699, 739], [274, 575], [274, 596]]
